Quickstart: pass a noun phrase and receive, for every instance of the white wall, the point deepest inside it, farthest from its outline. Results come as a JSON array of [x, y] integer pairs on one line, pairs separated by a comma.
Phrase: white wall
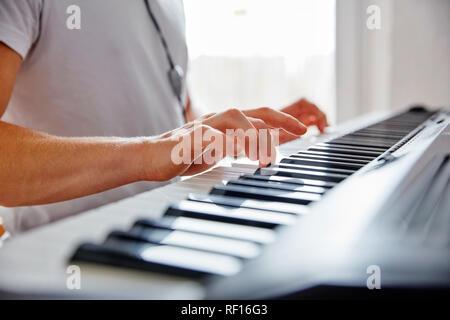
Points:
[[403, 63], [421, 52]]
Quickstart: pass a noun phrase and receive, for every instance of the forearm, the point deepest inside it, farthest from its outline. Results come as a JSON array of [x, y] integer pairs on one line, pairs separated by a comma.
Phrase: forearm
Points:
[[37, 168]]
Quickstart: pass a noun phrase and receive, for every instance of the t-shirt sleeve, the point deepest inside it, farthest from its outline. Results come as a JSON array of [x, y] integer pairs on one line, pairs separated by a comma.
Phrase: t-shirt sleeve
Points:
[[19, 24]]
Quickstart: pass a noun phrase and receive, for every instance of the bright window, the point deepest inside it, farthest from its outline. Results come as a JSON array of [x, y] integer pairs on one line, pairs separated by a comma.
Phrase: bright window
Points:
[[250, 53]]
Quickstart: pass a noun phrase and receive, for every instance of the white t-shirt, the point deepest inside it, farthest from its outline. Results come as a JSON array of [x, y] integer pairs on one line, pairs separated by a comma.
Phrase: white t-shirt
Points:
[[108, 78]]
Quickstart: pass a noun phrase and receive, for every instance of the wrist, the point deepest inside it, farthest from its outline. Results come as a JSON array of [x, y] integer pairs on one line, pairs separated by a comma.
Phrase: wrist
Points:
[[128, 158], [150, 164], [139, 150]]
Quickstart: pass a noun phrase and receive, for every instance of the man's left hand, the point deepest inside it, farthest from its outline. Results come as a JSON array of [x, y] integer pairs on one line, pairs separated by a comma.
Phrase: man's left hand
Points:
[[307, 113]]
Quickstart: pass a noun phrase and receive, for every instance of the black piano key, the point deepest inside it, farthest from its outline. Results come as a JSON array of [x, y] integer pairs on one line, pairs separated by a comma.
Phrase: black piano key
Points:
[[374, 136], [399, 122], [360, 143], [266, 194], [379, 135], [371, 141], [251, 203], [386, 129], [342, 155], [392, 133], [158, 258], [313, 168], [224, 229], [393, 122], [209, 211], [323, 163], [395, 130], [324, 176], [353, 136], [277, 185], [333, 145], [329, 158], [295, 181], [157, 235], [345, 151], [394, 126]]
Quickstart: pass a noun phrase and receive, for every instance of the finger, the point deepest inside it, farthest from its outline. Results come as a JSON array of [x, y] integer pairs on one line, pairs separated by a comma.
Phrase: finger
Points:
[[323, 122], [203, 166], [321, 118], [317, 119], [211, 143], [207, 162], [314, 120], [216, 149], [297, 108], [197, 168], [206, 116], [190, 147], [308, 119], [285, 136], [321, 125], [233, 120], [183, 129], [277, 119], [266, 145]]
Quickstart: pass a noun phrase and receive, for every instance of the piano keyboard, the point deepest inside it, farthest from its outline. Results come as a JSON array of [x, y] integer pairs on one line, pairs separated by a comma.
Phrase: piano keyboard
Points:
[[216, 234]]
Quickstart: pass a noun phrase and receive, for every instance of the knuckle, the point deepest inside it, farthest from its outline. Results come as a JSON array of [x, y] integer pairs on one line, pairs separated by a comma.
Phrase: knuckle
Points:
[[304, 102], [265, 110], [233, 112], [206, 116], [204, 128], [259, 122]]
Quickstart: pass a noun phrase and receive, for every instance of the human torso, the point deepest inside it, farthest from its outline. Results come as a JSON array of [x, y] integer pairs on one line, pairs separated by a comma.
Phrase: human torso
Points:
[[108, 78]]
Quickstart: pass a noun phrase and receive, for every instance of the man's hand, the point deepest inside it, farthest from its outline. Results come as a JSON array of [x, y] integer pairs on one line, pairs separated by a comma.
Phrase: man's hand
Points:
[[307, 113], [158, 151], [38, 168]]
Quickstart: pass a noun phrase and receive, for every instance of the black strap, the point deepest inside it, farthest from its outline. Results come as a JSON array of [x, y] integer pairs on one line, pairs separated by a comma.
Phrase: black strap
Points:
[[168, 55], [161, 37]]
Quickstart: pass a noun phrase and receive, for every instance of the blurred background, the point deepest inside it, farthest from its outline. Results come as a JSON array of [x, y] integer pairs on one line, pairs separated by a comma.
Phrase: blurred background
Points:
[[250, 53]]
